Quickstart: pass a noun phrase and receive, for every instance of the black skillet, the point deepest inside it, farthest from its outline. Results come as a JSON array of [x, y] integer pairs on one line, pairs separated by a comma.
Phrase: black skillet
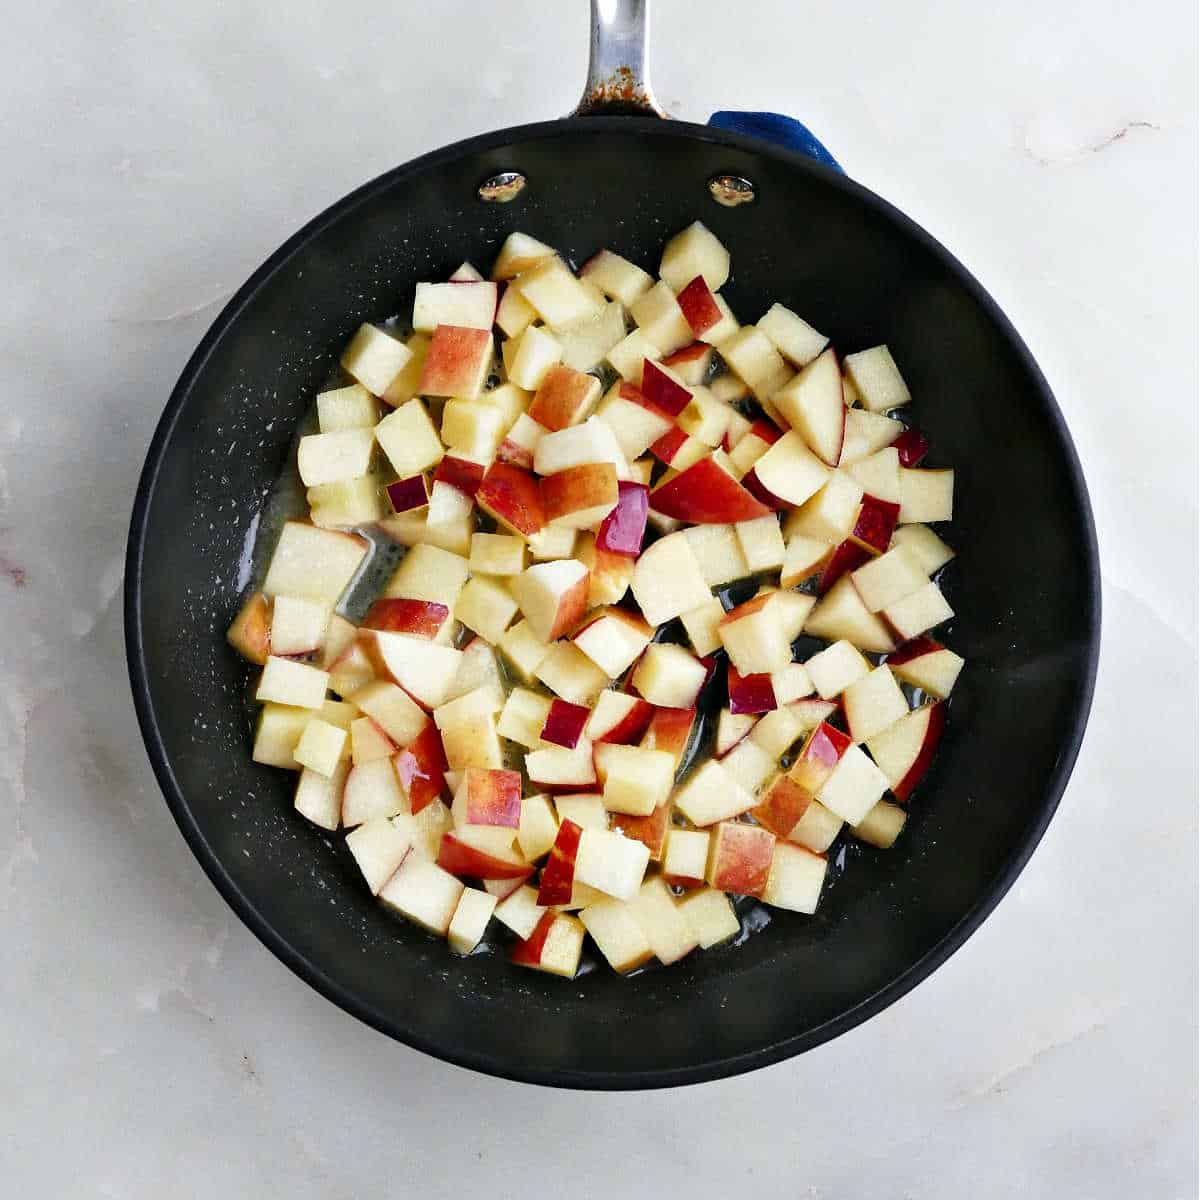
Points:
[[1024, 585]]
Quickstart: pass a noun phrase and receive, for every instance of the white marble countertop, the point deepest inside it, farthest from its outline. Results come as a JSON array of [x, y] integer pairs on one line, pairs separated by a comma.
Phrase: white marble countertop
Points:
[[149, 1045]]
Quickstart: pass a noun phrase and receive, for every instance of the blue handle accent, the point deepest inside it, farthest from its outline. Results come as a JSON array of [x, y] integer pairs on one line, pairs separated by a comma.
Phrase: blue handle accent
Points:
[[775, 127]]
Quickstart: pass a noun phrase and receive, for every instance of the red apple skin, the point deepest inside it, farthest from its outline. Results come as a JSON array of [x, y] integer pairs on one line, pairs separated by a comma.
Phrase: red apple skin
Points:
[[421, 767], [630, 727], [916, 647], [743, 858], [750, 693], [493, 797], [585, 486], [847, 556], [637, 396], [820, 754], [699, 307], [766, 430], [513, 497], [572, 608], [421, 618], [912, 446], [781, 806], [668, 445], [558, 875], [875, 525], [407, 494], [453, 360], [703, 494], [250, 633], [564, 727], [691, 363], [662, 391], [460, 473], [650, 830], [933, 735], [764, 495], [624, 529], [515, 455], [528, 953], [669, 730], [746, 609], [461, 859], [561, 397]]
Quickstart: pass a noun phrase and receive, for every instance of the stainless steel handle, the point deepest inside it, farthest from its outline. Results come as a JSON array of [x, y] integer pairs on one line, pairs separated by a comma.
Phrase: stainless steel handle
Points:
[[618, 78]]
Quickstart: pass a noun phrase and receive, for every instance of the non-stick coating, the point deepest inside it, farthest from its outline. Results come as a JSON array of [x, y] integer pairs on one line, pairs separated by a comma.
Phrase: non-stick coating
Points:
[[1024, 586]]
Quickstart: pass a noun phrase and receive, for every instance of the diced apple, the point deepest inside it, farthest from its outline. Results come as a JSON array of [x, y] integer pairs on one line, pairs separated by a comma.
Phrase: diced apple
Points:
[[552, 596], [666, 929], [333, 457], [277, 734], [350, 407], [424, 893], [668, 676], [586, 809], [617, 935], [813, 406], [790, 470], [561, 770], [319, 797], [879, 475], [469, 922], [725, 328], [611, 573], [691, 364], [422, 668], [718, 553], [739, 858], [471, 305], [614, 640], [731, 728], [875, 524], [468, 731], [523, 650], [412, 529], [711, 917], [792, 336], [420, 618], [564, 398], [821, 752], [754, 637], [705, 494], [830, 514], [711, 794], [841, 615], [457, 362], [514, 314], [748, 694], [667, 580], [611, 863], [636, 423], [885, 580], [368, 742], [250, 633], [853, 787], [694, 251], [795, 879], [877, 378], [749, 765], [761, 542], [404, 386], [375, 358], [409, 440], [372, 790], [635, 780], [404, 495], [429, 573], [378, 848], [296, 684], [571, 675], [616, 276], [670, 729], [351, 671], [904, 751], [881, 826], [618, 718], [836, 668], [321, 747], [918, 612], [498, 554], [486, 607], [591, 442], [339, 637], [524, 717], [458, 854], [847, 556], [866, 434], [554, 291], [519, 253], [660, 319], [702, 624], [538, 827], [317, 564], [512, 496], [753, 356], [520, 911], [520, 442], [928, 665], [564, 724], [926, 495], [698, 306], [559, 872], [629, 356], [925, 545], [580, 497], [685, 859], [791, 683], [873, 704], [706, 419], [529, 356], [664, 389], [473, 430]]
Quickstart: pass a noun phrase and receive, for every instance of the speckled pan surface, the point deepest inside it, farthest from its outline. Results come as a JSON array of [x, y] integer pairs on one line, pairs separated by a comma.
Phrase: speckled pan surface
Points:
[[1028, 606]]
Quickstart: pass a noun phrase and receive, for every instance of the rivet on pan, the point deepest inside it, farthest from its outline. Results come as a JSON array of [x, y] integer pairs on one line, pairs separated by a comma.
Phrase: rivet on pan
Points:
[[502, 188], [731, 190]]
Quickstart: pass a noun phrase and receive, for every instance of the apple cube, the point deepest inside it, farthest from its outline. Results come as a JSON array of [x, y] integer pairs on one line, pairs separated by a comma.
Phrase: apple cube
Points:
[[686, 857], [297, 626], [557, 295], [928, 665], [739, 858], [465, 272], [636, 780], [554, 946], [666, 929], [611, 573], [694, 251], [424, 893], [571, 675], [821, 752], [429, 573], [792, 336], [817, 829], [841, 615], [346, 504], [813, 405], [469, 922], [614, 640], [879, 475], [718, 553], [524, 717], [877, 379], [776, 732], [698, 306], [617, 934], [486, 607], [731, 728], [297, 684], [316, 564], [421, 768], [580, 497], [250, 633], [520, 442], [277, 734], [319, 797], [520, 911], [790, 471], [702, 625], [473, 429], [523, 650], [457, 362], [562, 770], [470, 305], [514, 314], [468, 731], [691, 364], [344, 408], [529, 357], [668, 676], [873, 703], [630, 355], [552, 596], [519, 253], [711, 917], [703, 493], [392, 709], [585, 344], [782, 806], [866, 434], [538, 827], [660, 319], [762, 543], [372, 790], [332, 457], [725, 328], [378, 848], [636, 423], [374, 358], [887, 579], [749, 765], [921, 610], [711, 794], [924, 545], [421, 618], [321, 747], [875, 524], [553, 541], [616, 276], [618, 718], [340, 635], [835, 668], [853, 787], [705, 418], [881, 826], [496, 554], [670, 729], [795, 879], [752, 693], [667, 580], [368, 742], [830, 514], [586, 809], [926, 495], [754, 637], [905, 749], [409, 440], [422, 668], [564, 398], [611, 863]]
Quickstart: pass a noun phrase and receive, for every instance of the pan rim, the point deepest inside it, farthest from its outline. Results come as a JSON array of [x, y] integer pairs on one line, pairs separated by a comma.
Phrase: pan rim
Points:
[[331, 988]]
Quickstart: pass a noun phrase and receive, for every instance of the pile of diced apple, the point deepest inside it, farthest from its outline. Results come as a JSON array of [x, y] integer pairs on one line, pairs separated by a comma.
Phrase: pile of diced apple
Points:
[[578, 463]]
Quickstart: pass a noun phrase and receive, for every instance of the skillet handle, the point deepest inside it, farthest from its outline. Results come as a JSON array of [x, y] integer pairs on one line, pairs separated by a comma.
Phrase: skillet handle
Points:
[[618, 79]]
